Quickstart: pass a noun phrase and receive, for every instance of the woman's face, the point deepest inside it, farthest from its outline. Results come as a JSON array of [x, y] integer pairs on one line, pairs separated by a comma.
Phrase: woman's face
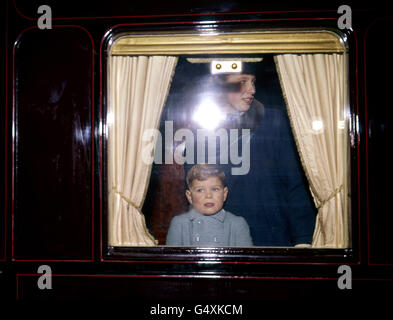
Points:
[[240, 100]]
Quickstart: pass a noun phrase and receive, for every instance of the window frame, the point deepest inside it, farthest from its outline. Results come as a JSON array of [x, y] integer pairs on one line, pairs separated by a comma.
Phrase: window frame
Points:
[[337, 41]]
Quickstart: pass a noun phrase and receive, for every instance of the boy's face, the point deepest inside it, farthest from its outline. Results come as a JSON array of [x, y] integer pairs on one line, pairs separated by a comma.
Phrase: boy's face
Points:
[[207, 196], [241, 99]]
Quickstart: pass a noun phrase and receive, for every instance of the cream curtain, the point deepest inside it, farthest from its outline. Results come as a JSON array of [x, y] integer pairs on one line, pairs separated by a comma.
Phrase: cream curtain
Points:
[[138, 88], [314, 88]]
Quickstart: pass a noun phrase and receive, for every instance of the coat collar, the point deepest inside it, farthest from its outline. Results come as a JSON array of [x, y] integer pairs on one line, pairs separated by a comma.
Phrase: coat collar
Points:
[[220, 215]]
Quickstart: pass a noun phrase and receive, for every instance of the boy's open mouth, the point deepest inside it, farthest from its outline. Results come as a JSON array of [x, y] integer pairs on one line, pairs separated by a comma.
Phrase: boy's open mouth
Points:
[[209, 204]]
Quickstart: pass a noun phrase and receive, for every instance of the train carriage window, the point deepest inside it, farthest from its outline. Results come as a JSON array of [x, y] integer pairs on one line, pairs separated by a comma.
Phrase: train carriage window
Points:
[[268, 110]]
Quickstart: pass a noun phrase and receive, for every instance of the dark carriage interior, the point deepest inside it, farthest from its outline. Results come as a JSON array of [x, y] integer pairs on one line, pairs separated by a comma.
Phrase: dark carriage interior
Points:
[[166, 194]]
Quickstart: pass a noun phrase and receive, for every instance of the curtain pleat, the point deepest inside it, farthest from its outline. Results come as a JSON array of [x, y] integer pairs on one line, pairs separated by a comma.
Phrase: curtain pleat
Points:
[[138, 88], [313, 86]]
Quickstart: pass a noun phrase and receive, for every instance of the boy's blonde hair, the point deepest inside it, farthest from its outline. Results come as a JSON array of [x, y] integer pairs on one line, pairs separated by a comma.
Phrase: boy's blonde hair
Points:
[[203, 172]]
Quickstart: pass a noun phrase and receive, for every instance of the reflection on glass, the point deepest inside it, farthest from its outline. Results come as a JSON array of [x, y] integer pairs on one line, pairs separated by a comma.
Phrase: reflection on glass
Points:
[[208, 115]]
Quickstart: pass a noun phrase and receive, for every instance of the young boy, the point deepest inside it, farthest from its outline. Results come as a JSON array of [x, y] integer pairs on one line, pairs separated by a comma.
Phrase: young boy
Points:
[[207, 223]]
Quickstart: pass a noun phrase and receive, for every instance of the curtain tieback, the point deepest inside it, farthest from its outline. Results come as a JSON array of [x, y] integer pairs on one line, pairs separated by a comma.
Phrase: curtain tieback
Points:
[[331, 196], [123, 197]]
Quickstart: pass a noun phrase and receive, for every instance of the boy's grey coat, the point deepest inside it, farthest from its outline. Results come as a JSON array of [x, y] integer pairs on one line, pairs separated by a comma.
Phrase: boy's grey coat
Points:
[[221, 229]]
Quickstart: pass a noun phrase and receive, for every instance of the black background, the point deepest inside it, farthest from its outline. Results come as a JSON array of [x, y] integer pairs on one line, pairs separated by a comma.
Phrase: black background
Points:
[[65, 231]]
